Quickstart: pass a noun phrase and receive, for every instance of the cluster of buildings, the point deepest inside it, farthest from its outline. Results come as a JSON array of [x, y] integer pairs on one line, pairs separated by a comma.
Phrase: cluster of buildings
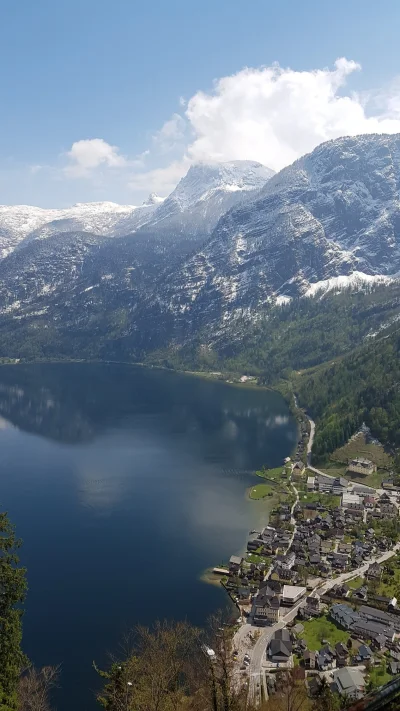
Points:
[[348, 682], [272, 597], [367, 623], [354, 498], [327, 539], [322, 544], [372, 632]]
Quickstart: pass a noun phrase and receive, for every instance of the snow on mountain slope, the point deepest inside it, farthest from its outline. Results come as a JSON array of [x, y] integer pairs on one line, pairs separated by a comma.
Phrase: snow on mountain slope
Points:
[[229, 241], [208, 191], [332, 213], [355, 281], [19, 223], [165, 232], [193, 208]]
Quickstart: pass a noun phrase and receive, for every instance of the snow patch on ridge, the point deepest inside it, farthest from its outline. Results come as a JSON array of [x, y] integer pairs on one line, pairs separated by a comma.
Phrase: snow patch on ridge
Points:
[[356, 280]]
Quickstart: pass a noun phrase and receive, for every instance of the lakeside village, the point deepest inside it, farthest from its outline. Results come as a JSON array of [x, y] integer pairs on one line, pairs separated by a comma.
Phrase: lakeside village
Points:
[[318, 587]]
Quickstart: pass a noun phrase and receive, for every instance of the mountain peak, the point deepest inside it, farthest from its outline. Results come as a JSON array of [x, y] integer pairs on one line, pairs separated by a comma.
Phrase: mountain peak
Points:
[[153, 199], [203, 179]]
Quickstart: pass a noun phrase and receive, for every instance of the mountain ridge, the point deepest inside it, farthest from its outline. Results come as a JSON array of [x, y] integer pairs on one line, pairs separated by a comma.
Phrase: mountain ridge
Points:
[[331, 220]]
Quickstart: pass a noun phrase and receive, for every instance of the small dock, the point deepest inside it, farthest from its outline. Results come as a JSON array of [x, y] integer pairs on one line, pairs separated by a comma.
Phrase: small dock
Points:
[[221, 571]]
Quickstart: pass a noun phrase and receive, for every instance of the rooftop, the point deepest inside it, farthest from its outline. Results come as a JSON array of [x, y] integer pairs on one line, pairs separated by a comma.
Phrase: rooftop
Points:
[[361, 460], [235, 560], [293, 591], [348, 679]]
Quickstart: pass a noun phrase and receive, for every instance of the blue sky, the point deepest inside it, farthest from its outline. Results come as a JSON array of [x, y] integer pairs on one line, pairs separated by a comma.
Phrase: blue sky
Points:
[[129, 75]]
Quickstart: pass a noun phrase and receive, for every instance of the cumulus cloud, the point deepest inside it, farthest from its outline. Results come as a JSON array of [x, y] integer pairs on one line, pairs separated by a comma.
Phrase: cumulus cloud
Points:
[[275, 115], [88, 154], [171, 134], [160, 180], [269, 114]]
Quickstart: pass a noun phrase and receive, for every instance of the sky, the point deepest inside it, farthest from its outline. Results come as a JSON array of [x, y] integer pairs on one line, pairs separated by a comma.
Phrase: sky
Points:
[[106, 100]]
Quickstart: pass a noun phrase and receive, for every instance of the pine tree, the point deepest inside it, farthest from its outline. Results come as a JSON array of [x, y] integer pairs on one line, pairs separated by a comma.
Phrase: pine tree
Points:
[[12, 595]]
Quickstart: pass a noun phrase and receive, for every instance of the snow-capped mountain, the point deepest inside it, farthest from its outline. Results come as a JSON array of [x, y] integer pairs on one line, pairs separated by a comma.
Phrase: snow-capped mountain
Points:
[[228, 242], [164, 232], [216, 183], [22, 223], [334, 212]]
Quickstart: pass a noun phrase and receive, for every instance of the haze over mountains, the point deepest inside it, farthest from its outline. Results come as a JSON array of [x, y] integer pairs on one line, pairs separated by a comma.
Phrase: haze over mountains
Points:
[[230, 240]]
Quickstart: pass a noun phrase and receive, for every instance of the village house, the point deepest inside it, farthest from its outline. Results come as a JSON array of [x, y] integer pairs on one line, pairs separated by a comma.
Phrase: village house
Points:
[[368, 630], [389, 510], [235, 562], [309, 659], [344, 615], [345, 548], [298, 468], [311, 483], [265, 610], [339, 486], [326, 658], [361, 466], [385, 618], [374, 571], [292, 594], [324, 484], [286, 561], [364, 654], [279, 649], [349, 683], [351, 501], [361, 593], [342, 654], [339, 560], [378, 642], [312, 607]]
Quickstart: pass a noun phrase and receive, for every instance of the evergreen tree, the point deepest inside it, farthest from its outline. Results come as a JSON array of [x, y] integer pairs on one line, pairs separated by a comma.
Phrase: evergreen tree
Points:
[[12, 595]]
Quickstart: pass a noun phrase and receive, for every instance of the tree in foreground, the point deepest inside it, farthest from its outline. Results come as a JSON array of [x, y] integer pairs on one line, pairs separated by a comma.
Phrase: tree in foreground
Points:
[[34, 689], [170, 668], [12, 595]]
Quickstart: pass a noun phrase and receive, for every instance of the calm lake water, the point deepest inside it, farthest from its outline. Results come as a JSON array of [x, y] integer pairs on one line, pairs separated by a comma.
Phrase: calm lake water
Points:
[[125, 484]]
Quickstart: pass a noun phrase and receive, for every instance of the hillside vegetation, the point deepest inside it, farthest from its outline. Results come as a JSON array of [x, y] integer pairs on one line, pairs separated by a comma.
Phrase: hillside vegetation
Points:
[[362, 387]]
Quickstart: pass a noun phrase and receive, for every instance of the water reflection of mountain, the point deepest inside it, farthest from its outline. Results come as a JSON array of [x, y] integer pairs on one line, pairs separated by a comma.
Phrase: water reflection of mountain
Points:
[[75, 402]]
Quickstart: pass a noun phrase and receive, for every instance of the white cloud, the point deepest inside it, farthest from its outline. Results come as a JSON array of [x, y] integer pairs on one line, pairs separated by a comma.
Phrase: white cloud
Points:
[[171, 134], [275, 115], [87, 155], [270, 114], [160, 180]]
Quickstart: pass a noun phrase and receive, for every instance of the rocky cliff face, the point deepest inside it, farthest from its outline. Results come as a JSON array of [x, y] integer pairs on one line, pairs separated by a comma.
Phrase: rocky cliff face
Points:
[[56, 257], [334, 212], [229, 242]]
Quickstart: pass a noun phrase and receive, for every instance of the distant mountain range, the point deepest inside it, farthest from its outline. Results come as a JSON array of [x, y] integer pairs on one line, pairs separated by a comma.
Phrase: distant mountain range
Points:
[[231, 241]]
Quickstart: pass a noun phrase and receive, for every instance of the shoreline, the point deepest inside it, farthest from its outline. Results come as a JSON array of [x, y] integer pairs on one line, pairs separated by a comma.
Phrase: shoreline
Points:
[[207, 576], [204, 374]]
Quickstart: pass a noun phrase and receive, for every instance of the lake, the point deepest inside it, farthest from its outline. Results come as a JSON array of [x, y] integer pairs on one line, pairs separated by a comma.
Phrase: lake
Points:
[[125, 484]]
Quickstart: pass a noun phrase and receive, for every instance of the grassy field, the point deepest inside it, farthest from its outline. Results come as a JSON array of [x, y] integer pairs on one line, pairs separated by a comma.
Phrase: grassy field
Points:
[[260, 491], [321, 628], [315, 497], [358, 447], [255, 558], [279, 474], [389, 585], [379, 676], [355, 583]]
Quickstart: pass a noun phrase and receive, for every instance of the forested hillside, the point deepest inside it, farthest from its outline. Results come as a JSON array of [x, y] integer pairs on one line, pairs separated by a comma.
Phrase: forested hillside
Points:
[[302, 334], [357, 329], [362, 387]]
